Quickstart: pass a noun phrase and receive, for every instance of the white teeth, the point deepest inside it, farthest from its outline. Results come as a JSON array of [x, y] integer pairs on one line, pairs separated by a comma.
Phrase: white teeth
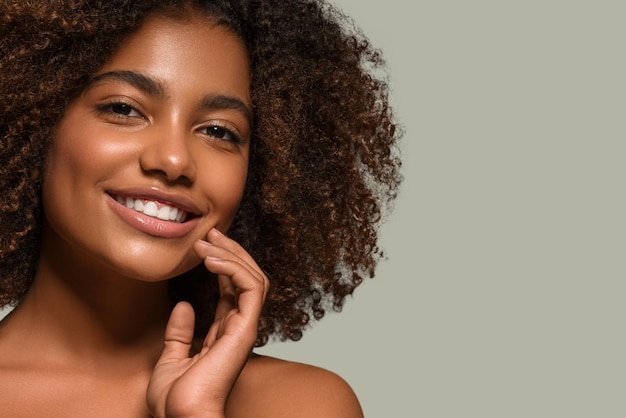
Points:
[[138, 205], [164, 213], [151, 208]]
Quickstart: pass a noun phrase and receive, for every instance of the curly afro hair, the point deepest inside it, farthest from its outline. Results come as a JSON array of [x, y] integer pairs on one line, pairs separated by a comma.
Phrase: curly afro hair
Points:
[[324, 161]]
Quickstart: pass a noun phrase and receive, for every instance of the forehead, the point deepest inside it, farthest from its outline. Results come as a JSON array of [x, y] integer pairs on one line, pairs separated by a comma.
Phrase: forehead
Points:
[[193, 51]]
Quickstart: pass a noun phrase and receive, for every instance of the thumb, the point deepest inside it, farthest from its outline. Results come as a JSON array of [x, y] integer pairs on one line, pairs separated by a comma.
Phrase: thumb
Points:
[[179, 333]]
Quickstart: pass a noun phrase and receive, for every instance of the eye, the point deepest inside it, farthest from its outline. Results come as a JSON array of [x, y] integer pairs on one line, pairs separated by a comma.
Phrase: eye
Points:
[[124, 109], [119, 109], [222, 133]]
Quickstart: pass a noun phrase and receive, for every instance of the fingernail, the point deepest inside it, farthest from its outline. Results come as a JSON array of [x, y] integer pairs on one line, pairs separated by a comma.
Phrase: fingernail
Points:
[[205, 243], [218, 231]]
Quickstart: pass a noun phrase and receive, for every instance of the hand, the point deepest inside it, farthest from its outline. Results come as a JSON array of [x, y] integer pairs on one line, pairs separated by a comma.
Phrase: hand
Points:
[[199, 386]]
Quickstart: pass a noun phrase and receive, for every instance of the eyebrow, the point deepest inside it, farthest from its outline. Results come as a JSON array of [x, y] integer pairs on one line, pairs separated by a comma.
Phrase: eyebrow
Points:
[[218, 101], [140, 81], [155, 88]]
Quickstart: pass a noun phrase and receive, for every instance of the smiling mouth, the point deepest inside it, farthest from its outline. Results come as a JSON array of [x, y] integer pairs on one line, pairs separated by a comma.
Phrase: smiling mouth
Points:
[[155, 209]]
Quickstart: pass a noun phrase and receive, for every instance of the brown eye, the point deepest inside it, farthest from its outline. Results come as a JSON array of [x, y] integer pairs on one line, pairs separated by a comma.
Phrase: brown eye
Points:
[[120, 109], [222, 134], [219, 132]]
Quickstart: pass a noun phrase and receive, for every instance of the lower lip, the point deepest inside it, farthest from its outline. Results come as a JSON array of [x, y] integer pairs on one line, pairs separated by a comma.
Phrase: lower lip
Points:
[[149, 225]]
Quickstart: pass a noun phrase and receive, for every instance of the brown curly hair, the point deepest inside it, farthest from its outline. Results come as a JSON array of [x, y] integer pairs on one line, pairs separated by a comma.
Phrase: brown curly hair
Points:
[[324, 165]]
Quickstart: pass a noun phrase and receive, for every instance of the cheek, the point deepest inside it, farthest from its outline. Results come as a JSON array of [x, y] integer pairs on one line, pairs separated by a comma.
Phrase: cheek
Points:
[[224, 184], [63, 191], [62, 166], [69, 152], [84, 151], [78, 158]]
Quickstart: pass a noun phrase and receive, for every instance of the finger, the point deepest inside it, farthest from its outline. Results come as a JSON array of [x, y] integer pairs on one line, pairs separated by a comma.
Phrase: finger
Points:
[[216, 237], [178, 333], [250, 291], [210, 251], [228, 296], [226, 306], [219, 239], [211, 336], [232, 251]]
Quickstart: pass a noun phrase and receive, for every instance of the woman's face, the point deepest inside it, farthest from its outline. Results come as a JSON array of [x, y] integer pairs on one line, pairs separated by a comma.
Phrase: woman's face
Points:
[[154, 153]]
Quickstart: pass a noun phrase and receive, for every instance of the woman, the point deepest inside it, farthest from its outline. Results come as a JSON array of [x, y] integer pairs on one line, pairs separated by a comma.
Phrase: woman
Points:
[[135, 135]]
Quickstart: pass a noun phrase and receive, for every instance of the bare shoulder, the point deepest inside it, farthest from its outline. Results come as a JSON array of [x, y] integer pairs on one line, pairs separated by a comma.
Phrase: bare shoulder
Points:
[[270, 387]]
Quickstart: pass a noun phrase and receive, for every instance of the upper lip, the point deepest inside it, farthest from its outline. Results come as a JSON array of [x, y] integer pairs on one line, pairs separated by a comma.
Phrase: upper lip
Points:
[[154, 193]]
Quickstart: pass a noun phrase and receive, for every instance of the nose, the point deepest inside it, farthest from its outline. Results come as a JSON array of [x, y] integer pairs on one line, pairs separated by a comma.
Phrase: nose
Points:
[[167, 154]]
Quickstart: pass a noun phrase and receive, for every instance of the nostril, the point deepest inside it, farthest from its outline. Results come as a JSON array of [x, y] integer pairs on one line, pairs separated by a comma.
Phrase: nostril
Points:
[[171, 160]]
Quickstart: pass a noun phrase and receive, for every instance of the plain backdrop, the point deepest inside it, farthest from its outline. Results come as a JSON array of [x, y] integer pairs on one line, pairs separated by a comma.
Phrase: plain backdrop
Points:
[[502, 294]]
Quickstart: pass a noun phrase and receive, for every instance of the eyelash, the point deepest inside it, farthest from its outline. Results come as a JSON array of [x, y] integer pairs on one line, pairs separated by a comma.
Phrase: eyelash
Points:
[[218, 131], [215, 130], [109, 108]]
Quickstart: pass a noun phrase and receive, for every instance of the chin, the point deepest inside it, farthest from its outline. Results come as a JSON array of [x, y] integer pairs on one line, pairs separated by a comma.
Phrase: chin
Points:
[[155, 268]]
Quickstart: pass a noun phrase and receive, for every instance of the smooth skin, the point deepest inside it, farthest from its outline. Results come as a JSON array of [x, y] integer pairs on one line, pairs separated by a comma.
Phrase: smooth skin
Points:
[[166, 119]]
